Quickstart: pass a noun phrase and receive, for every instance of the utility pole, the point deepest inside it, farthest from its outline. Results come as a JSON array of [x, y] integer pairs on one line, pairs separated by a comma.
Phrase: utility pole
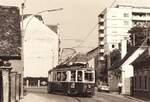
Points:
[[59, 42], [22, 48]]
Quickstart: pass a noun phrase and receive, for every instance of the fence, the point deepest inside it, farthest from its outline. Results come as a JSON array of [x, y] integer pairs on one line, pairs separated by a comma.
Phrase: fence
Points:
[[9, 85]]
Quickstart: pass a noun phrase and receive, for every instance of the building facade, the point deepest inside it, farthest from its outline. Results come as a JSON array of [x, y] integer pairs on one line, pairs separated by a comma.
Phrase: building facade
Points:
[[141, 79], [114, 24], [40, 50]]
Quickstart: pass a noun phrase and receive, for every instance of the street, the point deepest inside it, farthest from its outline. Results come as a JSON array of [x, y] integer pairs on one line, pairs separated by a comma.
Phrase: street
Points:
[[57, 97]]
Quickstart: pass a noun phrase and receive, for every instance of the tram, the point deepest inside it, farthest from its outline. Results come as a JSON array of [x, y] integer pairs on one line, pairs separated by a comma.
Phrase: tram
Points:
[[72, 79]]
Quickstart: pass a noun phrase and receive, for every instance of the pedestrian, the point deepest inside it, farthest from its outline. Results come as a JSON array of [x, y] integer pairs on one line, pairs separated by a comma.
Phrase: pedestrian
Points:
[[119, 87]]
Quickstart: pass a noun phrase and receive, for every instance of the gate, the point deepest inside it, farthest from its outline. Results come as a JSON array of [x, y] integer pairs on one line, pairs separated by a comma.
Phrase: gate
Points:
[[131, 86]]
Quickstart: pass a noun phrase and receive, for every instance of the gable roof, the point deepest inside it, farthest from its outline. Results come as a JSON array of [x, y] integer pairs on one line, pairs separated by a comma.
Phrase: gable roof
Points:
[[92, 53], [143, 59], [53, 28]]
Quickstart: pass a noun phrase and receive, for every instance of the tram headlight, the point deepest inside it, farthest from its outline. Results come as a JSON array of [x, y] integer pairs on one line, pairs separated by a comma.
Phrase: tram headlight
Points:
[[89, 86], [72, 85]]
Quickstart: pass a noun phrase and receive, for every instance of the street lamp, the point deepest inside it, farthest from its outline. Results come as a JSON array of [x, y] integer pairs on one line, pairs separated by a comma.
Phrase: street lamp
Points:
[[51, 10]]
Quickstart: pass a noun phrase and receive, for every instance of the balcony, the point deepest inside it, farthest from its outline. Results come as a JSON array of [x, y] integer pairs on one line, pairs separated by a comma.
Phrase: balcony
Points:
[[101, 50], [101, 27], [101, 43], [101, 35], [101, 19], [140, 16], [101, 15]]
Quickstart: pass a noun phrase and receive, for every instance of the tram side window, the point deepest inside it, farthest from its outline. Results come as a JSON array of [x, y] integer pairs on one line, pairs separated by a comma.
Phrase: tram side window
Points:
[[54, 76], [64, 76], [73, 75], [89, 76], [79, 75], [58, 76]]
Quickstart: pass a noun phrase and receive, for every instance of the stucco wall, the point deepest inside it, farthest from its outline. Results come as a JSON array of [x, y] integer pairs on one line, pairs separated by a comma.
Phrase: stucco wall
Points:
[[40, 49]]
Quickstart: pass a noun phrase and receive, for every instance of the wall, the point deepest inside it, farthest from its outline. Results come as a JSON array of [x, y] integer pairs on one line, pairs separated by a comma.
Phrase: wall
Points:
[[40, 49], [117, 23], [127, 70], [17, 65], [139, 85]]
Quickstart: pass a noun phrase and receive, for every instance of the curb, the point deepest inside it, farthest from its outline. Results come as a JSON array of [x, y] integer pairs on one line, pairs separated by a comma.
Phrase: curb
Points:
[[138, 100], [125, 96]]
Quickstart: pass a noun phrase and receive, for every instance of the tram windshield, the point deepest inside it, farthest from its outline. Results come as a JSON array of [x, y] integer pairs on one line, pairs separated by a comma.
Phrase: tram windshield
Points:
[[89, 76]]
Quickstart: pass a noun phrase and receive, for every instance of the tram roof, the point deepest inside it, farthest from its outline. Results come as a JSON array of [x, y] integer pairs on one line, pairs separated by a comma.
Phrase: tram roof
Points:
[[70, 65]]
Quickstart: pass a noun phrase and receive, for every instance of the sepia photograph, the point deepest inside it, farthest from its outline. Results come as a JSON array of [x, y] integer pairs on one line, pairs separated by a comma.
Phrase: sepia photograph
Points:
[[74, 51]]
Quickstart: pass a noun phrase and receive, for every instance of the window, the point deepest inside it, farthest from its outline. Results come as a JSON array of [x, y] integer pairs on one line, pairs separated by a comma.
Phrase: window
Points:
[[64, 76], [126, 23], [73, 74], [89, 76], [58, 76], [114, 32], [54, 76], [126, 14], [79, 75], [113, 46], [145, 79], [135, 82], [140, 82]]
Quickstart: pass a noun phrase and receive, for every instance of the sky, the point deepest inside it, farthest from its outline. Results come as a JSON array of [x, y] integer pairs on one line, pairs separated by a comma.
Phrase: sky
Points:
[[77, 19]]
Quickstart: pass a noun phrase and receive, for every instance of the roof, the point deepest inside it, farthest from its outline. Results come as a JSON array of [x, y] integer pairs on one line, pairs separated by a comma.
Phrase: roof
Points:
[[70, 65], [118, 63], [39, 17], [53, 28], [92, 53], [8, 7], [143, 7], [16, 57], [10, 31], [143, 59], [79, 58]]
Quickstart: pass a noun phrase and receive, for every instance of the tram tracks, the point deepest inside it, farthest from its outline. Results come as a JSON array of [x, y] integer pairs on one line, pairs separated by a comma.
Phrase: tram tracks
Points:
[[77, 99]]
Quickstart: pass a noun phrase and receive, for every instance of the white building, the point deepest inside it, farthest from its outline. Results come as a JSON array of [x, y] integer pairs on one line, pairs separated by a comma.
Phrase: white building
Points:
[[40, 48], [128, 70], [114, 24]]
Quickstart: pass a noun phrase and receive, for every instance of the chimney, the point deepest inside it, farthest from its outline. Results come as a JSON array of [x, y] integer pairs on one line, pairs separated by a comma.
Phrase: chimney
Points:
[[123, 48]]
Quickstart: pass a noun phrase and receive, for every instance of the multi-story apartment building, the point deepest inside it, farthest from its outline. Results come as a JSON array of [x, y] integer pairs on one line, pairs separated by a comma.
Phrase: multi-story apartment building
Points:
[[114, 24]]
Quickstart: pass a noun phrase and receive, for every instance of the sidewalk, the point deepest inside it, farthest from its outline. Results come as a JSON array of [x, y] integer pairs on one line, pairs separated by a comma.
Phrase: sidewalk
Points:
[[137, 99]]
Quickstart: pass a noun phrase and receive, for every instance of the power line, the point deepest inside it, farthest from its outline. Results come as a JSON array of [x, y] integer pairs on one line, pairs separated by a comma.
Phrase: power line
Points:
[[88, 34], [93, 28]]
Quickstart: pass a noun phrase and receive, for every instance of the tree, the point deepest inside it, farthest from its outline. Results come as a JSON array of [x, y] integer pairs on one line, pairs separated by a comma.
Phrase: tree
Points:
[[137, 35], [115, 56]]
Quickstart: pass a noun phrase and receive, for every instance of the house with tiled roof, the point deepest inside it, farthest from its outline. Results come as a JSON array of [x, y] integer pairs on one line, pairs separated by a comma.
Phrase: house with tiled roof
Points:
[[124, 71], [141, 79]]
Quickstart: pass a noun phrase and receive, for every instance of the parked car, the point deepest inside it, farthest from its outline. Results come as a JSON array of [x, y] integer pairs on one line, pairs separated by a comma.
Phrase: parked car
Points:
[[104, 87]]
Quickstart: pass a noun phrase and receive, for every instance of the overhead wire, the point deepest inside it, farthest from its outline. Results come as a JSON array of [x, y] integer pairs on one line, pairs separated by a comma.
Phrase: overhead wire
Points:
[[88, 34]]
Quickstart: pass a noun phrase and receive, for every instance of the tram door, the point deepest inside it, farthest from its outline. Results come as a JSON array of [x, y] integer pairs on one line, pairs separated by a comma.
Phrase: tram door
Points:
[[1, 87]]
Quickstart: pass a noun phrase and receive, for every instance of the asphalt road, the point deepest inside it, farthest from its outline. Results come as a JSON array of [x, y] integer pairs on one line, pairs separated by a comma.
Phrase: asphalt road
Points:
[[99, 97]]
